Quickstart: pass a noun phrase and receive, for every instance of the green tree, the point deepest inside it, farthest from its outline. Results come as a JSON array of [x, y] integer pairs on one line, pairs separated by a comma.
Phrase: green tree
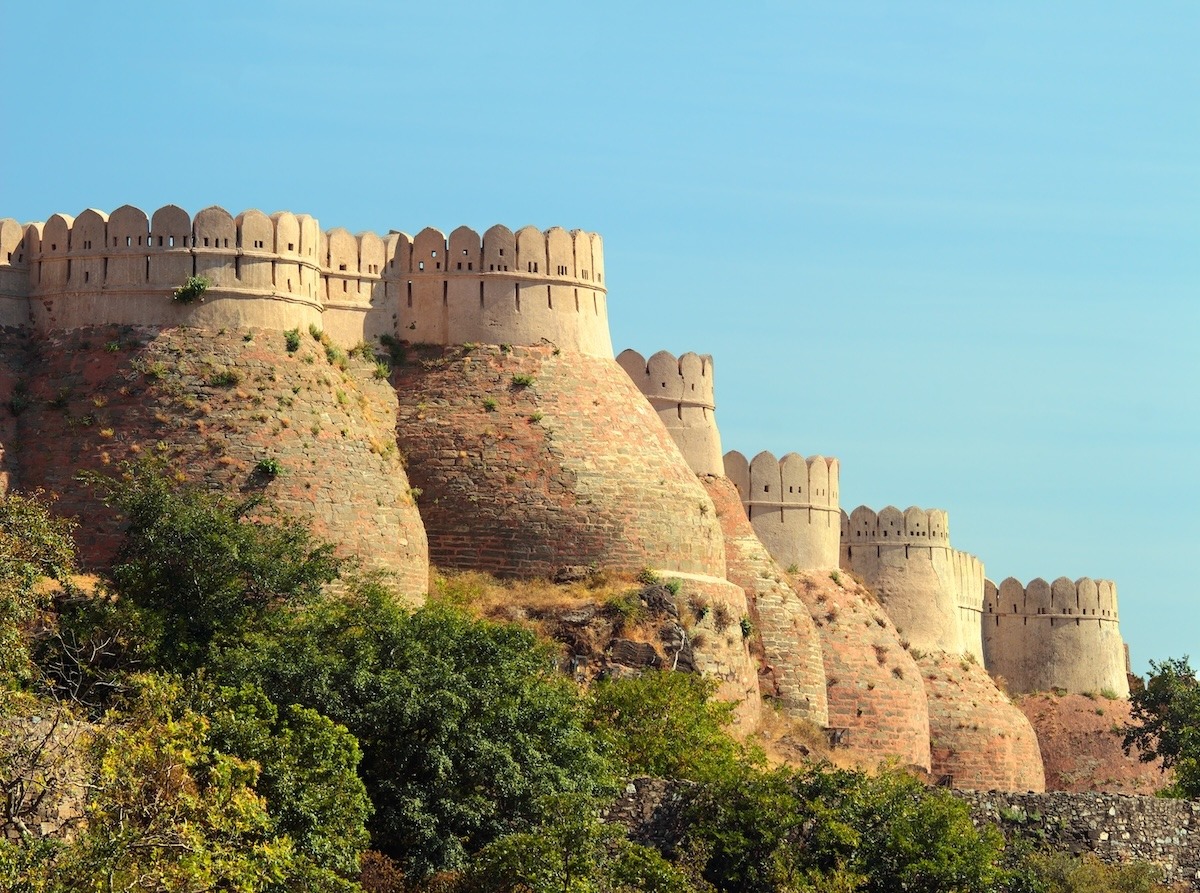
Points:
[[571, 851], [168, 812], [464, 724], [308, 770], [1165, 723], [826, 829], [34, 545], [666, 724], [199, 565]]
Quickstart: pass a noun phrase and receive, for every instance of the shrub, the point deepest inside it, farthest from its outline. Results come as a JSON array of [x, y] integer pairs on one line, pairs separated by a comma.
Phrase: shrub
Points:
[[489, 404], [226, 378], [291, 338], [522, 380], [269, 466], [192, 289], [666, 724]]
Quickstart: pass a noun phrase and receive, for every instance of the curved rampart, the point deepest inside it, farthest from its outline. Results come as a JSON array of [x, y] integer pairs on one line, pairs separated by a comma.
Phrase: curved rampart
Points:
[[531, 460], [681, 392], [281, 271], [216, 406], [932, 592], [1061, 635], [792, 504]]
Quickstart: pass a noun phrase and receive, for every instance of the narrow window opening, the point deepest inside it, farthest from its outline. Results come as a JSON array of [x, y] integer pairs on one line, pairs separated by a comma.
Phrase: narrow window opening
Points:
[[433, 253], [439, 264], [421, 266], [147, 266], [576, 300], [480, 295], [237, 266], [129, 241], [170, 241], [206, 241], [549, 298], [502, 252], [86, 276], [470, 265], [464, 252], [345, 286], [342, 267], [517, 295], [445, 293], [291, 246], [410, 293], [460, 265], [491, 268]]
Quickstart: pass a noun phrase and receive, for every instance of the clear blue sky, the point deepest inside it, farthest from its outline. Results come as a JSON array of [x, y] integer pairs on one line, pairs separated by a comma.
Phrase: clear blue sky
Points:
[[953, 244]]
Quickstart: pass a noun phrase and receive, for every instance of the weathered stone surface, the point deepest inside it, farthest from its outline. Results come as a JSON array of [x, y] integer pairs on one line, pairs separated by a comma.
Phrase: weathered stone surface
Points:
[[874, 688], [792, 670], [978, 737], [213, 405]]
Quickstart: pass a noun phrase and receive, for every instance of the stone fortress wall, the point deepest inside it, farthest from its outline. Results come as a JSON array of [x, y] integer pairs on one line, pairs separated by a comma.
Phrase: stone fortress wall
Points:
[[681, 392], [283, 271], [533, 447], [1061, 635], [933, 592], [792, 504]]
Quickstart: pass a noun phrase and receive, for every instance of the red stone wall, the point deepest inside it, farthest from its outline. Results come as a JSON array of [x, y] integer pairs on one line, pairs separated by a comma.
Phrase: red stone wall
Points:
[[103, 396], [1080, 738], [874, 689], [572, 469], [14, 346], [793, 671], [720, 650], [978, 736]]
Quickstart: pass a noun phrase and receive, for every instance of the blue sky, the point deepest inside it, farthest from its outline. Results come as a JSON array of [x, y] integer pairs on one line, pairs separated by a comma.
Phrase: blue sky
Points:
[[954, 245]]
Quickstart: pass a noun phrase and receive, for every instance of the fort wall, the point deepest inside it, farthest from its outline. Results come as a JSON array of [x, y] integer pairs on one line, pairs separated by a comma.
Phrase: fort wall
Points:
[[877, 703], [681, 392], [977, 736], [1061, 635], [283, 272], [212, 406], [792, 671], [932, 592], [792, 504], [532, 459]]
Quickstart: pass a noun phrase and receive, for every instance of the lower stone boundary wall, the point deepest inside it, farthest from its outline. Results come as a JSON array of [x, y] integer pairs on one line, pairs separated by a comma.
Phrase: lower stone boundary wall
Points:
[[1116, 828]]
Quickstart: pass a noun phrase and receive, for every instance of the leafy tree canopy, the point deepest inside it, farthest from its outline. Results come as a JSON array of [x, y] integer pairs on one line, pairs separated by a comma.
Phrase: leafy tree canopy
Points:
[[33, 545], [1165, 723], [464, 724], [666, 724], [199, 565]]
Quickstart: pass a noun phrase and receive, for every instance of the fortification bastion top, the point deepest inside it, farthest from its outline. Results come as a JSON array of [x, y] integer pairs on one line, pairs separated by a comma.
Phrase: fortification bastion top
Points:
[[282, 270]]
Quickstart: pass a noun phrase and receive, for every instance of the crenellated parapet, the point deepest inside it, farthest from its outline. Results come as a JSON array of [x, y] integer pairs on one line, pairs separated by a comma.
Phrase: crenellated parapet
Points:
[[282, 271], [681, 392], [933, 592], [1065, 634], [792, 504]]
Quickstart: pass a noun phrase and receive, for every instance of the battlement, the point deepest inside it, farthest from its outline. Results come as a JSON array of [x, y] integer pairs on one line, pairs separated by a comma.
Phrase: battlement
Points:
[[792, 504], [1065, 635], [282, 270], [1059, 600], [931, 590], [681, 392], [925, 527]]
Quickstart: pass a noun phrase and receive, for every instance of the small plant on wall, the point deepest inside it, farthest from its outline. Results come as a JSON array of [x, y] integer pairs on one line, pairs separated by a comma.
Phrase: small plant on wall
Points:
[[192, 290]]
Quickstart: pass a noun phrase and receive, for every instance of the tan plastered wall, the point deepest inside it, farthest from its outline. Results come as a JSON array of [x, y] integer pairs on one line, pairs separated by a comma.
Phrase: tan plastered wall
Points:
[[281, 271], [1061, 635], [792, 504], [681, 392]]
